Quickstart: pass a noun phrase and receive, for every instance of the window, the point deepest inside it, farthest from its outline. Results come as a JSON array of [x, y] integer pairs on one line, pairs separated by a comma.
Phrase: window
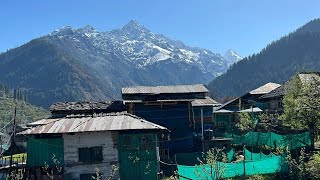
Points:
[[164, 153], [92, 154], [222, 123], [88, 176]]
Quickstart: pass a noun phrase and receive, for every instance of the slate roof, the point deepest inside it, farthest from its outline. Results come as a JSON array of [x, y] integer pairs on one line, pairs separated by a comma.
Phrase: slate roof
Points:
[[265, 88], [280, 91], [198, 88], [109, 122], [87, 106], [306, 77]]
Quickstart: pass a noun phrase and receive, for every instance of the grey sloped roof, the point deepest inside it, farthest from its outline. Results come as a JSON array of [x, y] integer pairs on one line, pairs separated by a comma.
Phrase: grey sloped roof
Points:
[[280, 91], [109, 122], [265, 88], [198, 88], [307, 77], [208, 101]]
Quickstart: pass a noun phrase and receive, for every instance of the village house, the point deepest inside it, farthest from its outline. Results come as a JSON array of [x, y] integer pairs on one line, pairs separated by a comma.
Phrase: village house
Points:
[[83, 145], [273, 100], [225, 116], [186, 110]]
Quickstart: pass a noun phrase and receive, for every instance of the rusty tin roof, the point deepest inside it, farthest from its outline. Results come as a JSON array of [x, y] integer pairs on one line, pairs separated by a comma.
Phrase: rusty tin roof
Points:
[[109, 122]]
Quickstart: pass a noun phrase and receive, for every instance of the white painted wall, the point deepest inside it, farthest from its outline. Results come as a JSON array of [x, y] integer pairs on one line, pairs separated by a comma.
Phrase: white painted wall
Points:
[[89, 139]]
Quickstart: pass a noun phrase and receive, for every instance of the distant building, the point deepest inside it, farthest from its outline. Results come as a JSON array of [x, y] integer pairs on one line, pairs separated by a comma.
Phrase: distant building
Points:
[[83, 143], [177, 108], [273, 100], [63, 109], [225, 116]]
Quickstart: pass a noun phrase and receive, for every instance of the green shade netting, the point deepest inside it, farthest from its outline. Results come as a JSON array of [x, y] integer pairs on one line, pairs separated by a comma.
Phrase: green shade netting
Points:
[[271, 139], [256, 156], [271, 164], [192, 159]]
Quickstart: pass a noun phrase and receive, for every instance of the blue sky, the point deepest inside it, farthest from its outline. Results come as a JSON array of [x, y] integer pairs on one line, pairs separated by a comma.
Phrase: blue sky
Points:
[[218, 25]]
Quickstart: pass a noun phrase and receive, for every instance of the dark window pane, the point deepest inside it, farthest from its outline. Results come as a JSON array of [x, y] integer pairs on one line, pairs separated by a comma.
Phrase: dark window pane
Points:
[[88, 176], [90, 154]]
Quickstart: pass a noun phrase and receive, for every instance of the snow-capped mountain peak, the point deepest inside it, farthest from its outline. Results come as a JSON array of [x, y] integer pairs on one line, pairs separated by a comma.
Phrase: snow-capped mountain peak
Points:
[[232, 57], [137, 45], [132, 30], [88, 29], [63, 31]]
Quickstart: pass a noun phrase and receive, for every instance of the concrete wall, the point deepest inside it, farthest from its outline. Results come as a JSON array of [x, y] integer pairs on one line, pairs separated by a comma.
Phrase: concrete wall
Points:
[[72, 143]]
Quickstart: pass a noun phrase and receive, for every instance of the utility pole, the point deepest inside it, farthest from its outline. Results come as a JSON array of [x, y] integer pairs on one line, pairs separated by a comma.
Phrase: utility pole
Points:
[[13, 131]]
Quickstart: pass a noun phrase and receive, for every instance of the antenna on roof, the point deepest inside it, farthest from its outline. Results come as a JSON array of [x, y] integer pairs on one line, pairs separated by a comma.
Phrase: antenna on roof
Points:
[[91, 106]]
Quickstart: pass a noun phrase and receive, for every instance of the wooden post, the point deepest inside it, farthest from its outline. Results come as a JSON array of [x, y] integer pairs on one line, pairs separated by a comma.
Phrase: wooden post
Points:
[[13, 135], [202, 123], [244, 164]]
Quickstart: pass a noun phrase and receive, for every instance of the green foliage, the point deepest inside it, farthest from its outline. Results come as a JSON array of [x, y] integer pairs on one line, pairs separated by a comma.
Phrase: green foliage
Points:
[[263, 177], [113, 173], [304, 166], [313, 166], [302, 103], [25, 111], [245, 122], [213, 159]]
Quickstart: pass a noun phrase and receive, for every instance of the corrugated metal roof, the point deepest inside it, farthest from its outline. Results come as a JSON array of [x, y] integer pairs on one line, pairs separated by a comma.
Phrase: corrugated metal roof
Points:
[[265, 88], [208, 101], [223, 111], [109, 122], [256, 109], [41, 122], [198, 88]]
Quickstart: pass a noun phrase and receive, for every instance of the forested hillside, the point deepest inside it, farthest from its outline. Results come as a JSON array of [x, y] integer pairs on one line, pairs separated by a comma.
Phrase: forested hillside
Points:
[[25, 111], [48, 74], [299, 51]]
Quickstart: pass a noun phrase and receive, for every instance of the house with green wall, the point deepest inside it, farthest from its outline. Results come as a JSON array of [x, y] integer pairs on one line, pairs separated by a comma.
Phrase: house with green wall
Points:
[[83, 145]]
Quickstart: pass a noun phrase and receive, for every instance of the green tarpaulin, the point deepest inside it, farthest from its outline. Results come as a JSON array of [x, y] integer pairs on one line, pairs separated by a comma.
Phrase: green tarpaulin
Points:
[[269, 164], [292, 141], [192, 159]]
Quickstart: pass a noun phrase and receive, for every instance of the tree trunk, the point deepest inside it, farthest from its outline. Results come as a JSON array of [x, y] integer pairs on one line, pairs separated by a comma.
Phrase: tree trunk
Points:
[[312, 134]]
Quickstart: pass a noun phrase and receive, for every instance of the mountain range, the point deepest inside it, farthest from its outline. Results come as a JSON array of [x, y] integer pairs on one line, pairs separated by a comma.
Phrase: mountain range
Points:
[[84, 64], [297, 52]]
